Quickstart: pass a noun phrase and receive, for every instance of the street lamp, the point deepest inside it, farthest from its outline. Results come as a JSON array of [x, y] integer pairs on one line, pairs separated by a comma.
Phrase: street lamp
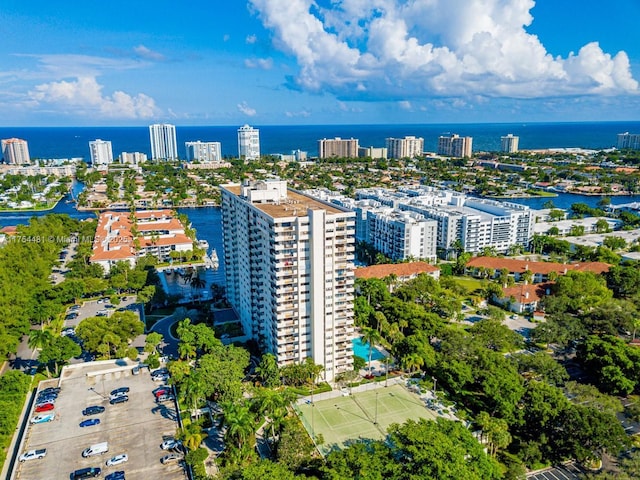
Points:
[[376, 419], [434, 385]]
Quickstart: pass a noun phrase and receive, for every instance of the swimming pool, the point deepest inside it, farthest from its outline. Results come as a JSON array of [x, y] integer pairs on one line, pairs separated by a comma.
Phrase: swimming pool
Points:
[[362, 350]]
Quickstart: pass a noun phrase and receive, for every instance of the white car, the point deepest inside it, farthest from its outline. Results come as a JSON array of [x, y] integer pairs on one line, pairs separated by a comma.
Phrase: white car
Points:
[[31, 454], [43, 418], [117, 460], [170, 443]]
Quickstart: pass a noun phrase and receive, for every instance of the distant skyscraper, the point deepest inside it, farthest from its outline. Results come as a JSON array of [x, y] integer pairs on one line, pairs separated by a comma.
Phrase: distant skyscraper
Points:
[[248, 143], [407, 147], [509, 143], [455, 146], [133, 158], [15, 151], [101, 152], [163, 141], [338, 147], [289, 269], [627, 140], [206, 152]]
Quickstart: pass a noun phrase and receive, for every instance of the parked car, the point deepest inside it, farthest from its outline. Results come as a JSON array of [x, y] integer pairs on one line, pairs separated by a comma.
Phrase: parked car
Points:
[[170, 443], [45, 401], [68, 332], [89, 422], [102, 313], [31, 454], [164, 398], [45, 397], [49, 390], [120, 399], [74, 308], [119, 391], [96, 449], [115, 476], [86, 473], [159, 371], [92, 410], [71, 316], [117, 460], [44, 418], [164, 390], [171, 458], [45, 407], [161, 377]]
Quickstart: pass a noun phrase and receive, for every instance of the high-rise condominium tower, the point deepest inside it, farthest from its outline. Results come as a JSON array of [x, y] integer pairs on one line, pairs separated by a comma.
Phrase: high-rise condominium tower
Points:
[[248, 143], [455, 145], [289, 271], [206, 152], [163, 141], [15, 151], [407, 147], [338, 147], [629, 140], [509, 143], [101, 152]]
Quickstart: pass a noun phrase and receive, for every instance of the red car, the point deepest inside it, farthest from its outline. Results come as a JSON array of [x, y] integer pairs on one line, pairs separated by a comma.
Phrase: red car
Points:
[[45, 407]]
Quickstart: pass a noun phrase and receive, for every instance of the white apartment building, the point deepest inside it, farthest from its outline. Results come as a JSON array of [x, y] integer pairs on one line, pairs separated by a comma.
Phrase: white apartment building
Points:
[[15, 151], [163, 141], [475, 223], [407, 147], [133, 158], [207, 152], [455, 146], [289, 272], [101, 153], [402, 234], [248, 143], [629, 140], [338, 147], [372, 152], [509, 143]]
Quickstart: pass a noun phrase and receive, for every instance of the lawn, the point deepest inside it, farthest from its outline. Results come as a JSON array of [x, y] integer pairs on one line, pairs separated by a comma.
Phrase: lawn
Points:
[[471, 284], [360, 416]]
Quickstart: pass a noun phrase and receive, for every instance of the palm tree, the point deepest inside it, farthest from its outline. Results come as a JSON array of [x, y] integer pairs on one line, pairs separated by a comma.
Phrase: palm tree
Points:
[[273, 406], [39, 338], [239, 423], [370, 336], [413, 362], [186, 350]]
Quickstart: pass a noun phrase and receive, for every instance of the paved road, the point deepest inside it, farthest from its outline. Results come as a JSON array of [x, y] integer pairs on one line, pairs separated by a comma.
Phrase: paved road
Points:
[[163, 327], [569, 471]]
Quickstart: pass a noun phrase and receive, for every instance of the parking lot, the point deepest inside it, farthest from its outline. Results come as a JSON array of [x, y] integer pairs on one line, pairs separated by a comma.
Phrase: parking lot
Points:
[[562, 472], [136, 427], [91, 308]]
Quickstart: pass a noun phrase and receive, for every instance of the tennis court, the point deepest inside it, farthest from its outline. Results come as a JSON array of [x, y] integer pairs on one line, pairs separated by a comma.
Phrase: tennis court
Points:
[[363, 415]]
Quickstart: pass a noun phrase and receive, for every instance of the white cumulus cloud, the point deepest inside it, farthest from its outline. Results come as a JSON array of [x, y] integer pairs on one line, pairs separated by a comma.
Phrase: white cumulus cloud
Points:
[[262, 63], [402, 49], [246, 109], [148, 54], [84, 95]]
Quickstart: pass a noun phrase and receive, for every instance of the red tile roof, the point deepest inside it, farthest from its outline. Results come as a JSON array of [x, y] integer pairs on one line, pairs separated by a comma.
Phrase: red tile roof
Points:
[[398, 269], [542, 268], [535, 292], [9, 230]]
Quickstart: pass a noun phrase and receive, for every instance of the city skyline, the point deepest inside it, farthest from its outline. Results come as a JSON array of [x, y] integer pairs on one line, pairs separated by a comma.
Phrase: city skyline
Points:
[[338, 63]]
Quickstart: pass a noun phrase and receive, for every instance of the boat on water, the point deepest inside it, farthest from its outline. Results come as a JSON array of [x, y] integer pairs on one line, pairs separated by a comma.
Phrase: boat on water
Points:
[[203, 244], [212, 261]]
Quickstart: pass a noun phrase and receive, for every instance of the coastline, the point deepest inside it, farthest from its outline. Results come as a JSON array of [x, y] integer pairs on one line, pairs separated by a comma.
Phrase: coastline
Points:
[[34, 210]]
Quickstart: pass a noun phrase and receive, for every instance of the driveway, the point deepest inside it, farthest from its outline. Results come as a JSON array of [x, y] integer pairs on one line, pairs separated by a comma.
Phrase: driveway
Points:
[[170, 345]]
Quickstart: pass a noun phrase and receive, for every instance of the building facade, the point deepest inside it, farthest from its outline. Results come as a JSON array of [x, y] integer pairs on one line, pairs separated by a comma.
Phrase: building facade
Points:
[[133, 158], [289, 272], [15, 151], [402, 235], [338, 147], [407, 147], [509, 143], [455, 146], [156, 233], [163, 141], [207, 152], [101, 153], [372, 152], [248, 143], [629, 140]]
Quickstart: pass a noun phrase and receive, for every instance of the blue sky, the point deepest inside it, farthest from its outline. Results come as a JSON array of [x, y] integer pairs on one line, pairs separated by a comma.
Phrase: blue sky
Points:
[[283, 62]]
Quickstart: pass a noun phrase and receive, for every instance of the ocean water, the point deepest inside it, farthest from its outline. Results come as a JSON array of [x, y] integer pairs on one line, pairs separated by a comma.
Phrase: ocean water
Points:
[[68, 142]]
